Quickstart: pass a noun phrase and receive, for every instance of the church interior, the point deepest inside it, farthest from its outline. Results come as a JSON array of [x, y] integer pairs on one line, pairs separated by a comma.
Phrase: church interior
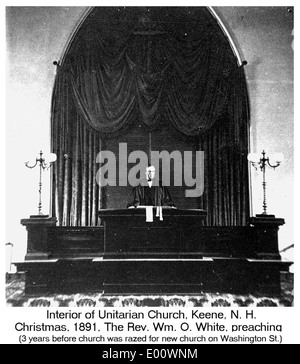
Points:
[[130, 82]]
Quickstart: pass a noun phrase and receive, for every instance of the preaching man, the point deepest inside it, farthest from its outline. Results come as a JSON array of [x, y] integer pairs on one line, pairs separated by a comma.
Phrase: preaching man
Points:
[[151, 194]]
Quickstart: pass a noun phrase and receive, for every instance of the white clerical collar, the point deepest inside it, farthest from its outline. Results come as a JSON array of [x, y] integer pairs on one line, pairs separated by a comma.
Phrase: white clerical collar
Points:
[[150, 183]]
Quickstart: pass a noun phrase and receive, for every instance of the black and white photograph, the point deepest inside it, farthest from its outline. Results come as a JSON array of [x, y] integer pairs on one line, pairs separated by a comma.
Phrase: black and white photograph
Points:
[[149, 174]]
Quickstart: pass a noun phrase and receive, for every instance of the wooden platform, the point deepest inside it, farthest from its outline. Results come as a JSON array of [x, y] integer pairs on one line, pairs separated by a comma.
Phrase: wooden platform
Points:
[[153, 276], [127, 255]]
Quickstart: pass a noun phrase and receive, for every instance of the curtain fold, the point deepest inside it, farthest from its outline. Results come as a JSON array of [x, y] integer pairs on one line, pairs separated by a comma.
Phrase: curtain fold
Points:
[[147, 69], [157, 67], [226, 192]]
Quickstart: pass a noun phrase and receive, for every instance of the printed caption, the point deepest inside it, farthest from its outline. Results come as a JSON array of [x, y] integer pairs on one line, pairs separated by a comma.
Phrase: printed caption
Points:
[[151, 326]]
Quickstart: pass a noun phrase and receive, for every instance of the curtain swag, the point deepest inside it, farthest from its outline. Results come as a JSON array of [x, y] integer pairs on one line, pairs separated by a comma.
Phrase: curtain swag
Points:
[[128, 71]]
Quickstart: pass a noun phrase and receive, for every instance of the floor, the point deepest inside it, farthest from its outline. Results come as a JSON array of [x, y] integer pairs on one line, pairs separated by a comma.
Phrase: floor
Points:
[[16, 297]]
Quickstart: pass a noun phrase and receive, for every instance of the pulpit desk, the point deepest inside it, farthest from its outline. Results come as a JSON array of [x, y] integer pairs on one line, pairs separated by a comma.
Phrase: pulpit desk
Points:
[[127, 233]]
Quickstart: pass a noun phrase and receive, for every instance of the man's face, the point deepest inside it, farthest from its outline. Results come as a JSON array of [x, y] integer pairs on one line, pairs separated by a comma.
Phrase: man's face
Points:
[[150, 173]]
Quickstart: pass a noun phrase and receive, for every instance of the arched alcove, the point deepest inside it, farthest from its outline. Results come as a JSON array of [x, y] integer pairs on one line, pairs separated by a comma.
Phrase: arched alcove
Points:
[[135, 74]]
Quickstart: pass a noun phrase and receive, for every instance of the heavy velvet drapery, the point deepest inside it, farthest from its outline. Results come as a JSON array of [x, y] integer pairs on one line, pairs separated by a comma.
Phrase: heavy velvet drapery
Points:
[[158, 67]]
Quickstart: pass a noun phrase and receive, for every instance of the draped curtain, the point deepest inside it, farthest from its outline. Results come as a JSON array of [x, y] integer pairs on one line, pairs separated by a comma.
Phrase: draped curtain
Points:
[[155, 66]]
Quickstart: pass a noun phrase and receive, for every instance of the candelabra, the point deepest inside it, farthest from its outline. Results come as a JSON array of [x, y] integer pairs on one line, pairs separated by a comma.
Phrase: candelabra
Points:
[[262, 163], [43, 163]]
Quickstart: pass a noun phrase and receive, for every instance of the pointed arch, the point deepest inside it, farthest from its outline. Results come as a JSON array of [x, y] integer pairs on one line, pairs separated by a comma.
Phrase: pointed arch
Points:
[[226, 32], [90, 9]]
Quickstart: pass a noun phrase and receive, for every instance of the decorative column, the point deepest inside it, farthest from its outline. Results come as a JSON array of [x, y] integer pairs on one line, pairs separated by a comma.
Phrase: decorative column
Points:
[[38, 236], [266, 235]]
